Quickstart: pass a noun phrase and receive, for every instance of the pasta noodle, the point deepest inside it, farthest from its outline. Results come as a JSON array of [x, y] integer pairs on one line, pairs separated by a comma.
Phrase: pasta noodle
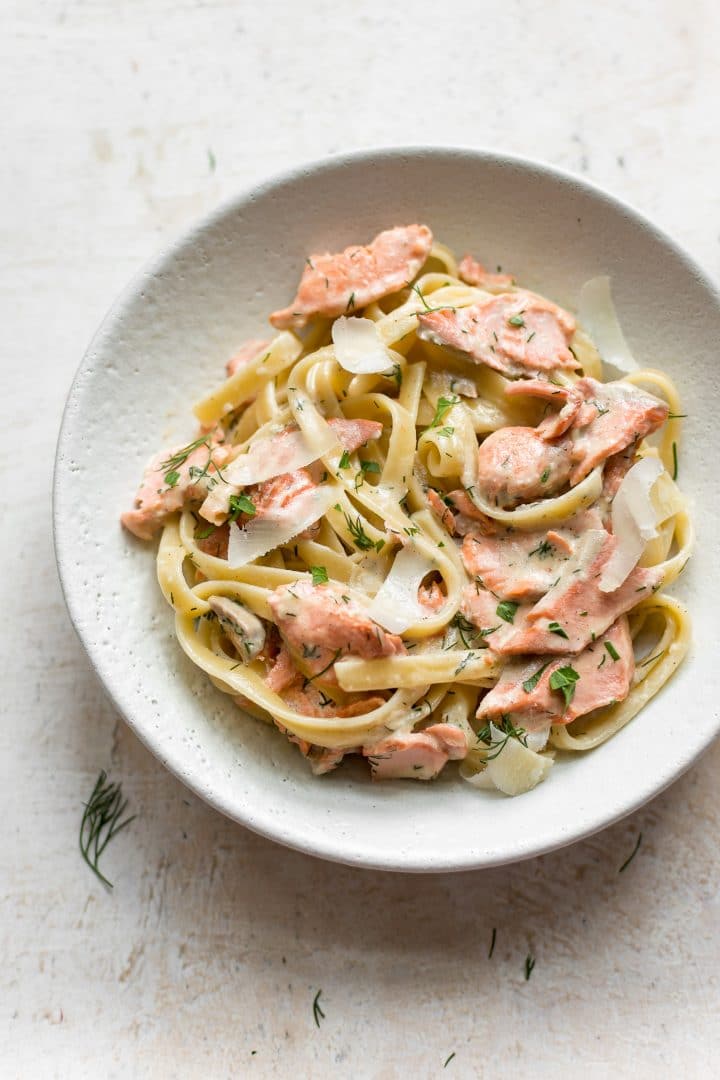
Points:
[[362, 591]]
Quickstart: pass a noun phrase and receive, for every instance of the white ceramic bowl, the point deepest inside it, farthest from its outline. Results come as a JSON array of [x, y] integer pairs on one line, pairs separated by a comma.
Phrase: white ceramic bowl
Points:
[[164, 343]]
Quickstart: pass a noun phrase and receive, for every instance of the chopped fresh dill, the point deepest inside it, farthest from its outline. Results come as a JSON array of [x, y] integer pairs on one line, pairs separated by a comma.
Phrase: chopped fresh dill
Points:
[[492, 942], [426, 306], [101, 821], [344, 462], [529, 966], [675, 462], [544, 548], [612, 650], [545, 476], [360, 538], [338, 653], [448, 1060], [509, 731], [442, 407]]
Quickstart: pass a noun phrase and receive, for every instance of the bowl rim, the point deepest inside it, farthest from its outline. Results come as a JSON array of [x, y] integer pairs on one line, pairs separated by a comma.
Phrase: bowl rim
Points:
[[183, 238]]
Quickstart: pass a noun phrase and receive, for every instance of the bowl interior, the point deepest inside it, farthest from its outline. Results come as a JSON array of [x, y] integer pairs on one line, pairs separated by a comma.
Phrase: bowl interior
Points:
[[164, 344]]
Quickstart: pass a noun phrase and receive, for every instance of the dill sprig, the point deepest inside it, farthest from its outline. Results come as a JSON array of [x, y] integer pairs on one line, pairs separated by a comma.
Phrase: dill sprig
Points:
[[360, 538], [173, 463], [426, 306], [101, 821], [318, 1014], [632, 854]]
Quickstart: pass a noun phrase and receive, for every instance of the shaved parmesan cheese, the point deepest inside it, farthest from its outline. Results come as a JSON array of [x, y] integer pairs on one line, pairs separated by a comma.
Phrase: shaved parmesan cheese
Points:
[[634, 521], [359, 348], [597, 315], [515, 769], [262, 534], [396, 605], [266, 458]]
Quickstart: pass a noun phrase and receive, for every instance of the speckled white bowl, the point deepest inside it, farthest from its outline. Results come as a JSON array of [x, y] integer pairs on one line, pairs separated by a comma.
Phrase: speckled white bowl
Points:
[[164, 343]]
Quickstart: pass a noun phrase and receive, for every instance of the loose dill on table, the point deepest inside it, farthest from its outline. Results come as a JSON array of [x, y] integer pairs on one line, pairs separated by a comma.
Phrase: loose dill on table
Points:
[[632, 854], [529, 966], [318, 1014], [101, 822]]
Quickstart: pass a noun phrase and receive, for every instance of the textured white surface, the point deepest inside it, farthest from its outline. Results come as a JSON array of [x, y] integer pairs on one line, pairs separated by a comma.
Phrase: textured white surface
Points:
[[214, 941]]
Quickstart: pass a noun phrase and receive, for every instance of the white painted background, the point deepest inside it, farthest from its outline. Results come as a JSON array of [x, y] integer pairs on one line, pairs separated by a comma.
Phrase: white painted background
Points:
[[214, 941]]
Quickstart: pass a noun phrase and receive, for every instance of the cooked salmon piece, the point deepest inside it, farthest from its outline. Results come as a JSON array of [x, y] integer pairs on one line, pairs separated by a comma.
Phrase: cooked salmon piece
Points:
[[283, 671], [467, 519], [431, 596], [333, 285], [567, 400], [616, 468], [524, 565], [321, 623], [310, 701], [352, 434], [247, 352], [480, 607], [575, 612], [518, 334], [277, 492], [474, 273], [517, 465], [615, 415], [216, 542], [604, 673], [416, 755], [441, 510], [170, 483]]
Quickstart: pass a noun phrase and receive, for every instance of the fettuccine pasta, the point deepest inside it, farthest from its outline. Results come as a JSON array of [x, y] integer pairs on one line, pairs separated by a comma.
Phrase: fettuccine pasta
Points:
[[416, 525]]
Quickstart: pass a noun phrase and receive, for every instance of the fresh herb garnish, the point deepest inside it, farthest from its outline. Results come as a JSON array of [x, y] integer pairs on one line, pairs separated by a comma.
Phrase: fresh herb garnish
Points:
[[508, 730], [612, 650], [179, 458], [397, 375], [241, 504], [675, 462], [448, 1060], [677, 416], [319, 575], [442, 407], [564, 679], [506, 610], [544, 548], [426, 306], [464, 626], [632, 854], [344, 462], [556, 628], [318, 1014], [172, 477], [516, 320], [446, 432], [545, 475], [529, 966], [351, 302], [530, 684], [101, 821], [338, 653], [492, 942], [205, 532], [370, 467], [360, 538]]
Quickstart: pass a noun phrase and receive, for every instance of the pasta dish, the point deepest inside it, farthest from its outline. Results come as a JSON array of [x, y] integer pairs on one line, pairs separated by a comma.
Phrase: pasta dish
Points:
[[430, 519]]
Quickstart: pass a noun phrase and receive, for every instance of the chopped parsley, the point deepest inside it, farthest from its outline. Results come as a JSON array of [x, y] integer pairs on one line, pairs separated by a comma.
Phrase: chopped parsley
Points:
[[564, 679], [172, 477], [319, 575], [344, 462], [506, 610], [556, 628], [241, 504], [545, 476], [530, 684], [370, 466], [516, 320]]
